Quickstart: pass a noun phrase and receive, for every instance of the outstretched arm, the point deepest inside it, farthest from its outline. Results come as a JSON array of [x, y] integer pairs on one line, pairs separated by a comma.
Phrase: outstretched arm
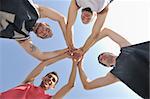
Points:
[[72, 14], [96, 29], [52, 14], [65, 89], [37, 70], [99, 82], [35, 52], [121, 41]]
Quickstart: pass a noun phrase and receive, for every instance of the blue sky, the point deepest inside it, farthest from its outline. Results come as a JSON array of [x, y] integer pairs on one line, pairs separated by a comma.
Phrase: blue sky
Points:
[[129, 18]]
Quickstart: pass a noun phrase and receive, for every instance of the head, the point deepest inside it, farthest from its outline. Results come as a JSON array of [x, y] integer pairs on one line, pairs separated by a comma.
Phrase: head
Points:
[[86, 15], [107, 59], [49, 81], [43, 30]]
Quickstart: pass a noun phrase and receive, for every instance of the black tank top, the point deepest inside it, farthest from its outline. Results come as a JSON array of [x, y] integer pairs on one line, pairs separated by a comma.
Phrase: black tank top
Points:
[[132, 68], [25, 17]]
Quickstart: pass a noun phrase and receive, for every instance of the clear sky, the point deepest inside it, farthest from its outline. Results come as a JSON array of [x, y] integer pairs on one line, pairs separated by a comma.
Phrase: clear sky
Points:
[[129, 18]]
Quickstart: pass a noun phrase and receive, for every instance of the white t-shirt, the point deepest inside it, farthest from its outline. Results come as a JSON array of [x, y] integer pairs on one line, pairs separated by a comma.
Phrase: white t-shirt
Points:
[[95, 5]]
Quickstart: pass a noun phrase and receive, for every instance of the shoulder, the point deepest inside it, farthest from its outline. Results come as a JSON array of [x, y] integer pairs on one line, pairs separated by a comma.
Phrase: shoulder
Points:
[[24, 41], [111, 76], [105, 10], [74, 3], [25, 85], [37, 6]]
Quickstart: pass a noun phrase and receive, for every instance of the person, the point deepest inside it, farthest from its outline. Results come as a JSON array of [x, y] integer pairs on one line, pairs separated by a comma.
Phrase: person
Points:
[[131, 66], [89, 7], [17, 22], [30, 91]]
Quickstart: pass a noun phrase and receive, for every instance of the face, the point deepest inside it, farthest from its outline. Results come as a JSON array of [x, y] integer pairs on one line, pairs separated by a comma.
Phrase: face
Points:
[[44, 31], [49, 81], [107, 59], [86, 17]]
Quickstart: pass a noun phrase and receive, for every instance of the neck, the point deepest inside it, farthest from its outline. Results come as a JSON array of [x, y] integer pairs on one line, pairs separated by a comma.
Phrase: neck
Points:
[[114, 60], [43, 87]]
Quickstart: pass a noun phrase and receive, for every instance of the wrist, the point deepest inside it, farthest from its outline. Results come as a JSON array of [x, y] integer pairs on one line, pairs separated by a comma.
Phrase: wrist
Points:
[[82, 49], [79, 66]]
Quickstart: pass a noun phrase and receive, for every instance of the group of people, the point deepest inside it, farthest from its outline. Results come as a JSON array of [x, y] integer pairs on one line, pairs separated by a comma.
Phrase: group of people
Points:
[[16, 22]]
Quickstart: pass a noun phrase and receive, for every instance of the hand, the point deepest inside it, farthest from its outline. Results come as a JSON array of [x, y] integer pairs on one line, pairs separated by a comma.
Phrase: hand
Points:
[[77, 55], [77, 62], [79, 51], [71, 51], [66, 52]]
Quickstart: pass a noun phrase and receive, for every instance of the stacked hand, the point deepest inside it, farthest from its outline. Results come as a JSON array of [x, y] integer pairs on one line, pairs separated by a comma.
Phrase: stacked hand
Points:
[[76, 54]]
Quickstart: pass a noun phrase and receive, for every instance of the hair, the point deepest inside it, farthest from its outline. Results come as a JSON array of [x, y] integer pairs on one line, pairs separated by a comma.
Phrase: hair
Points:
[[100, 61], [87, 9], [54, 73], [40, 24]]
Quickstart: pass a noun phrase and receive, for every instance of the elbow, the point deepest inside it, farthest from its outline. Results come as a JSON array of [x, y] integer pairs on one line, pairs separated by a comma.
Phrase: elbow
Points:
[[95, 35], [62, 19], [40, 58], [105, 31], [105, 10], [71, 85], [86, 87]]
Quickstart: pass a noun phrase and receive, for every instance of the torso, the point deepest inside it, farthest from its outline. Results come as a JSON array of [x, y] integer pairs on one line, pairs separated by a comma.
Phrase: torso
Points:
[[27, 91]]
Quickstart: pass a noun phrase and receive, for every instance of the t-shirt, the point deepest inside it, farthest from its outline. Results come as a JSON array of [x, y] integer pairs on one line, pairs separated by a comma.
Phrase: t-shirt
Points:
[[132, 68], [27, 91], [95, 5], [17, 18]]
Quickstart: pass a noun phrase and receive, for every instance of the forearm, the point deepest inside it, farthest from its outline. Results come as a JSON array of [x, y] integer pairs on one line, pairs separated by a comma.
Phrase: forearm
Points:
[[73, 74], [37, 70], [70, 38], [66, 88], [121, 41], [89, 43], [55, 59], [62, 92], [83, 77], [63, 24], [54, 53], [35, 52], [100, 36], [72, 14]]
